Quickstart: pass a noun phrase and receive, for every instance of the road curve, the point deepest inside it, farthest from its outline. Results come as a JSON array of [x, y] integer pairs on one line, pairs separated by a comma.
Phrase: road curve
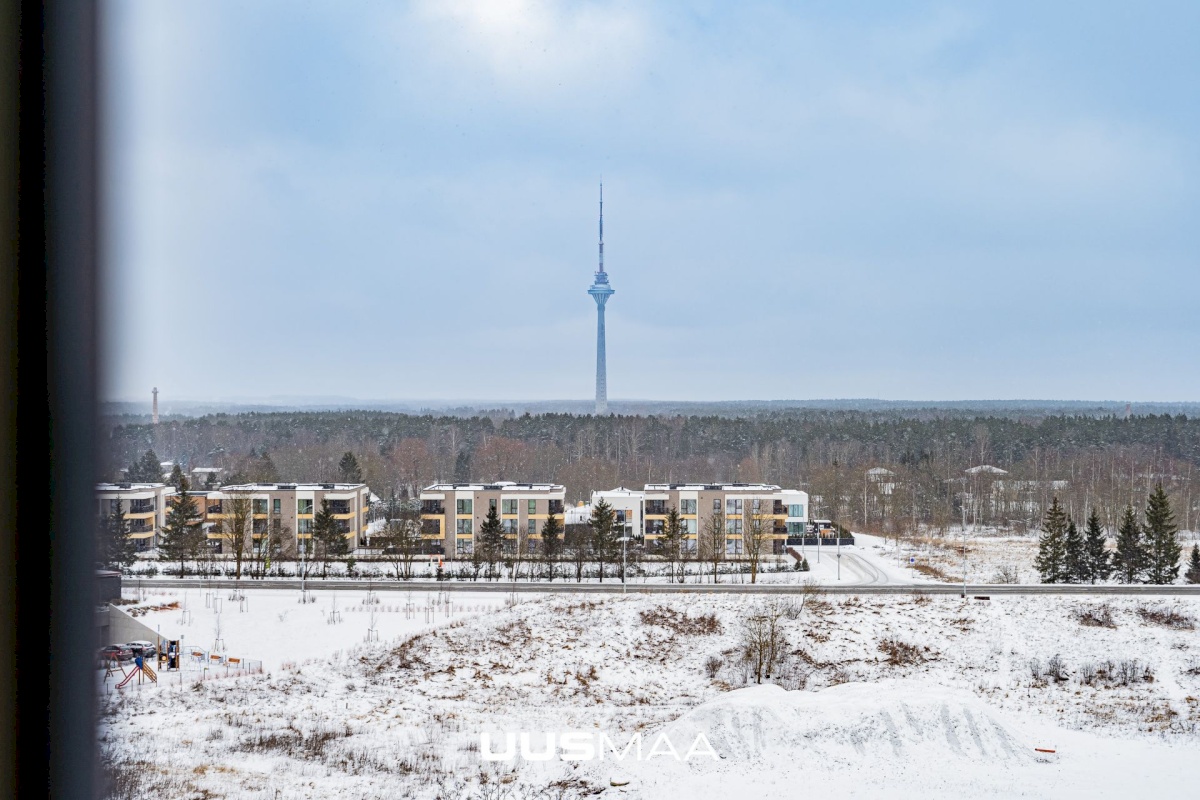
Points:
[[661, 588]]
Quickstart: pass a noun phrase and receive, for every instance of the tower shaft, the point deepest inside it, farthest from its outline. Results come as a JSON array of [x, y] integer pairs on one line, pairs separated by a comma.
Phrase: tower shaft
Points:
[[600, 292]]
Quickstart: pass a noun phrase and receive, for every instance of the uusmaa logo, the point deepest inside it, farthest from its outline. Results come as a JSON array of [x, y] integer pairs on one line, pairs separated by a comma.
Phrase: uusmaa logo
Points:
[[587, 746]]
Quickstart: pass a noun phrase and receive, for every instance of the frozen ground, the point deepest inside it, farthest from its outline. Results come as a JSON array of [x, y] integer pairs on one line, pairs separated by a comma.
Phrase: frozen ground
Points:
[[275, 628], [898, 696]]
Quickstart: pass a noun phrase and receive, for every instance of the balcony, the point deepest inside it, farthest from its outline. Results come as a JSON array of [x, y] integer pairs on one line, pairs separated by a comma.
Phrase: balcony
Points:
[[779, 508], [141, 508], [140, 528], [432, 507], [214, 509], [656, 506], [556, 507], [339, 507]]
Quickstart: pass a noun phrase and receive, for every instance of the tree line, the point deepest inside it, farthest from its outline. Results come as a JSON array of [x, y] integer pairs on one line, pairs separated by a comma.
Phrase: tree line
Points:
[[1146, 551]]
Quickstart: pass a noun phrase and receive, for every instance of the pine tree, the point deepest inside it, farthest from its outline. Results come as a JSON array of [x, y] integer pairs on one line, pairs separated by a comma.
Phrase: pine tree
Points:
[[1193, 571], [328, 541], [603, 525], [1129, 561], [349, 470], [181, 529], [551, 542], [1162, 544], [491, 540], [1051, 561], [1097, 558], [1076, 561], [114, 547]]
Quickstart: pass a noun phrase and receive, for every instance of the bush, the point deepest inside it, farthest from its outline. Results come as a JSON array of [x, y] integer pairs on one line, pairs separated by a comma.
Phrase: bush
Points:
[[902, 653], [1096, 616], [713, 665], [1167, 616], [667, 617]]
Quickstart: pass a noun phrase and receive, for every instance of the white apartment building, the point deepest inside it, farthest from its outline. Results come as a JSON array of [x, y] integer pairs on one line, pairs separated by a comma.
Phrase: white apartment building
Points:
[[644, 512], [452, 513]]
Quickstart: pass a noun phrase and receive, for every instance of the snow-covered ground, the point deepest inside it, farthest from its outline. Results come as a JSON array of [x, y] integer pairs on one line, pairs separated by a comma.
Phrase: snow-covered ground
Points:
[[900, 696], [274, 627]]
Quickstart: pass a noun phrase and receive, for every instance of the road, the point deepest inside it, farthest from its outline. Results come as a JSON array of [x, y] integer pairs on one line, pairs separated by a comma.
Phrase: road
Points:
[[881, 587]]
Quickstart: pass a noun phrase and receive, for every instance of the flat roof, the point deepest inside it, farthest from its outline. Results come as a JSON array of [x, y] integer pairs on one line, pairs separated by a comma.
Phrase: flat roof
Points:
[[746, 487], [302, 487], [499, 486]]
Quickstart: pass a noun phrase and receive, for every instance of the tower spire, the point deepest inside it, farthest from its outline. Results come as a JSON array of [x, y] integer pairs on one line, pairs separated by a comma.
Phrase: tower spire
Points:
[[601, 270]]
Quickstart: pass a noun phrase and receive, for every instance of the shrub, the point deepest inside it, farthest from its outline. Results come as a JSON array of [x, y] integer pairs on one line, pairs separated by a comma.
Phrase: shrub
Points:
[[712, 666], [902, 653], [1096, 616], [1167, 616], [680, 623]]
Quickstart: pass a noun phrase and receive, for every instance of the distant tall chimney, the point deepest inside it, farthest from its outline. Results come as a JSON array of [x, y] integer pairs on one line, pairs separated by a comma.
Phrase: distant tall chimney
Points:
[[154, 413]]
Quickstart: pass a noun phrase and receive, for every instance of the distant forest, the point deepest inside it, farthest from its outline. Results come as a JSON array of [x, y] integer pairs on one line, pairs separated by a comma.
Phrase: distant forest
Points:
[[1087, 461]]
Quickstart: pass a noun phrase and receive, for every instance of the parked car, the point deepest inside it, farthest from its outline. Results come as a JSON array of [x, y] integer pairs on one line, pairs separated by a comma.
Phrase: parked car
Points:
[[142, 648], [116, 652]]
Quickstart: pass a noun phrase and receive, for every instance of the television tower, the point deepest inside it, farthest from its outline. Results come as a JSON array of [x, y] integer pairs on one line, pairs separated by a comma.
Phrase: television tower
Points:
[[600, 292], [154, 408]]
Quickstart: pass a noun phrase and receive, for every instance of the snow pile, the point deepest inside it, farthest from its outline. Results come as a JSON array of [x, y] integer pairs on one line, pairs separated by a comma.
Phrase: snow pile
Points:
[[844, 725]]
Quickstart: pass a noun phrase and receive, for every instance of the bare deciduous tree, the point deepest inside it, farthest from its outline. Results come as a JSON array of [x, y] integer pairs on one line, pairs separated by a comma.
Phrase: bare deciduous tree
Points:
[[712, 542]]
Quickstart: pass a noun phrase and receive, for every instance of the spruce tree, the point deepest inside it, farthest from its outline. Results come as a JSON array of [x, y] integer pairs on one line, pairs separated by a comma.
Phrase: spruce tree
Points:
[[672, 542], [177, 479], [1129, 560], [1051, 561], [491, 539], [1193, 571], [328, 541], [349, 470], [1097, 558], [181, 529], [603, 526], [551, 542], [1076, 562], [114, 547], [1162, 544], [146, 469]]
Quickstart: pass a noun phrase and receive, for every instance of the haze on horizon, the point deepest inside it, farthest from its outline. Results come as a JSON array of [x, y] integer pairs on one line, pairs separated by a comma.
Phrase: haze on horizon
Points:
[[398, 202]]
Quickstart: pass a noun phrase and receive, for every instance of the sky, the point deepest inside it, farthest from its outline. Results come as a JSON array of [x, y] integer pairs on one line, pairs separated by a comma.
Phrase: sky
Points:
[[925, 201]]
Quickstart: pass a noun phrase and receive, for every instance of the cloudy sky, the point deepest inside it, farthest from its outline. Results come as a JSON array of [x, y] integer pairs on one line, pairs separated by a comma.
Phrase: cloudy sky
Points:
[[802, 200]]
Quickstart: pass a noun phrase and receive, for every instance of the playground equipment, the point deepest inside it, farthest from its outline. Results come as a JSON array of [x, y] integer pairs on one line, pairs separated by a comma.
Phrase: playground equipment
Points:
[[141, 669]]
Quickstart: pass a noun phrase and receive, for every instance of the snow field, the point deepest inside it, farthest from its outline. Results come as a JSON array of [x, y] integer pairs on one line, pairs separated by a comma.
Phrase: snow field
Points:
[[921, 695]]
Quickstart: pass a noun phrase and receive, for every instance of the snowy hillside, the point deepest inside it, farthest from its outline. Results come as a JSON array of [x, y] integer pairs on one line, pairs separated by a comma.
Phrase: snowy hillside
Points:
[[923, 695]]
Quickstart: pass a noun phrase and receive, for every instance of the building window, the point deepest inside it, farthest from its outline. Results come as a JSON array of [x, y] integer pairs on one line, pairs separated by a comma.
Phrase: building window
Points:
[[304, 526], [492, 504], [508, 506], [734, 526], [654, 527], [304, 506], [733, 547], [260, 506], [463, 506], [687, 506], [509, 526], [795, 529], [689, 527], [465, 547], [733, 508], [532, 525], [796, 510], [277, 506], [464, 527], [533, 506]]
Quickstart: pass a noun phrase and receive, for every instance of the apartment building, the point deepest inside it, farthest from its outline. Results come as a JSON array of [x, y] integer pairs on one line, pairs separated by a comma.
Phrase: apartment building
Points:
[[452, 514], [643, 514], [291, 506], [142, 505]]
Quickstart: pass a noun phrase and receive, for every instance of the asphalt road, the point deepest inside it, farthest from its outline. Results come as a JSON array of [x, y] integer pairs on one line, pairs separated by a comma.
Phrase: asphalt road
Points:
[[882, 588]]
